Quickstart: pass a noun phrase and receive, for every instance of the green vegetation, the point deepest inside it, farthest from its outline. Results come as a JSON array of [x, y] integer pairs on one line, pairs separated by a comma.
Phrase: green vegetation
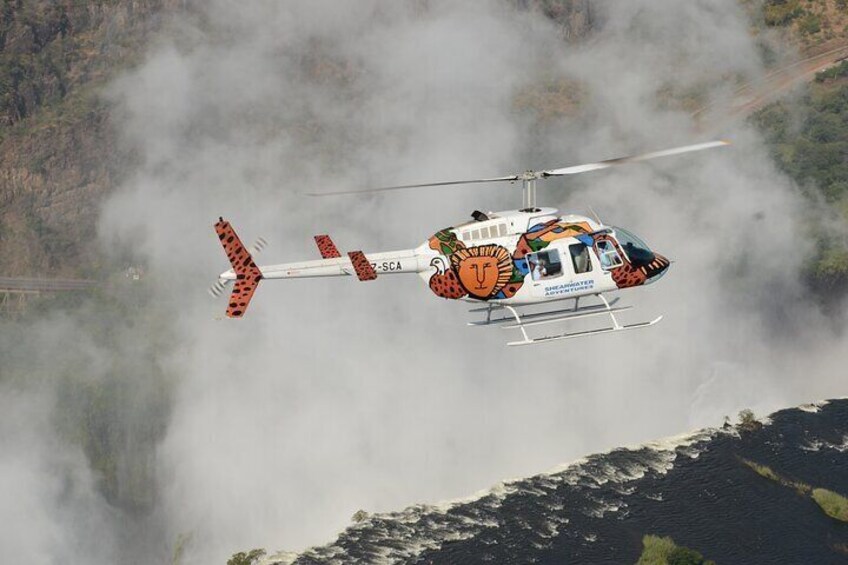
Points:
[[834, 72], [763, 471], [834, 505], [767, 472], [55, 132], [359, 516], [246, 558], [781, 12], [663, 551], [183, 541], [747, 421], [48, 49], [809, 141], [810, 24]]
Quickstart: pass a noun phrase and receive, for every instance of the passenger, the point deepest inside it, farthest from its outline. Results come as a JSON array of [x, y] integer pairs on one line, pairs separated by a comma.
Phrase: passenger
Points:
[[539, 271]]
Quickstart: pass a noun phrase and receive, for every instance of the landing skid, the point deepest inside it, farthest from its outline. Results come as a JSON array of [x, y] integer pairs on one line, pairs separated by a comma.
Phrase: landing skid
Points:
[[518, 321]]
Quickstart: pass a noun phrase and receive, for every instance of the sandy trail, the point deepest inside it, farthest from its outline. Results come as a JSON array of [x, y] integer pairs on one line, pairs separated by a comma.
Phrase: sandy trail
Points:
[[754, 95]]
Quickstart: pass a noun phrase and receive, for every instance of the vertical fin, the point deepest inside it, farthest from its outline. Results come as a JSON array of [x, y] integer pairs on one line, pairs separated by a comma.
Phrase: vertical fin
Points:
[[326, 247], [248, 274], [362, 266]]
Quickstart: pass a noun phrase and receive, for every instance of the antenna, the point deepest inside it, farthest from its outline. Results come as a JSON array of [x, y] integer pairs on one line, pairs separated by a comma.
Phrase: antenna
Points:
[[595, 214]]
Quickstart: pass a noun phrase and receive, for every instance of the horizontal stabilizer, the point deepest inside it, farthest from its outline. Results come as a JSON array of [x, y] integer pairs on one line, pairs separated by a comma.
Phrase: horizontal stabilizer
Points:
[[362, 266], [326, 247]]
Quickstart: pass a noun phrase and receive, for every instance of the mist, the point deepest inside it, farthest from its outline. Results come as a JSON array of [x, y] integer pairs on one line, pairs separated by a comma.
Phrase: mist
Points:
[[332, 396]]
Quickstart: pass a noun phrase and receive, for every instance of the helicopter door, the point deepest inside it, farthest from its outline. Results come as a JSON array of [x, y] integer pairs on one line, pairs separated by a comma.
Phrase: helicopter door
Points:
[[546, 269], [608, 255], [560, 272], [544, 266]]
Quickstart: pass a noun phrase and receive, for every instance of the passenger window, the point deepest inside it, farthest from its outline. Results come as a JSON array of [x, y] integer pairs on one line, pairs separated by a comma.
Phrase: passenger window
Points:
[[544, 264], [580, 258], [610, 259], [502, 229]]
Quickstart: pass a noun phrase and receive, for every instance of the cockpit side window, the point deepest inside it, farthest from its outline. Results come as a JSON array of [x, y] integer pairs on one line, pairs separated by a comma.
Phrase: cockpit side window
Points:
[[636, 250], [580, 258], [608, 255]]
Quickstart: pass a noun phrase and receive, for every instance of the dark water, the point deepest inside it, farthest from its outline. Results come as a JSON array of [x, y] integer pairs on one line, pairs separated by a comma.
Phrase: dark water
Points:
[[695, 490]]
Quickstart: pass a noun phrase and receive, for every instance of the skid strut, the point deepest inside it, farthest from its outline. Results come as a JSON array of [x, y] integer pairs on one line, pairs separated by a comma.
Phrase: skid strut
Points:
[[516, 321]]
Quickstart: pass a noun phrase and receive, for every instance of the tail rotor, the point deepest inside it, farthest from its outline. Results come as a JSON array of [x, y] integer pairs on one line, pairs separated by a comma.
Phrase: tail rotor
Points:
[[217, 289]]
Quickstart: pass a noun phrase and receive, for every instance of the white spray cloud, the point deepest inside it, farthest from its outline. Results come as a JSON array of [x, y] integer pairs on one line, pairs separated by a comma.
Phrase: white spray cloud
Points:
[[331, 395]]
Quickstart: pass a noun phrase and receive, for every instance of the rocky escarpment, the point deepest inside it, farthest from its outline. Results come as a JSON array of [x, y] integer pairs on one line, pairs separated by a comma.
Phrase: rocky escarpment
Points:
[[57, 146]]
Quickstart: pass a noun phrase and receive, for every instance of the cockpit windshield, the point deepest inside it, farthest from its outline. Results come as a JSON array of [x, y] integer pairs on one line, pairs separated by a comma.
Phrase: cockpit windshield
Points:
[[637, 250]]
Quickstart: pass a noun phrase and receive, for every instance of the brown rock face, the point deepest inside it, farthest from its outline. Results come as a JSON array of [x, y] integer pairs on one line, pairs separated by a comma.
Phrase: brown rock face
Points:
[[58, 155]]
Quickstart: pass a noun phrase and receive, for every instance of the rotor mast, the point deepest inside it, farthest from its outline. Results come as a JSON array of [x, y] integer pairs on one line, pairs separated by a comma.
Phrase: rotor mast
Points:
[[528, 190]]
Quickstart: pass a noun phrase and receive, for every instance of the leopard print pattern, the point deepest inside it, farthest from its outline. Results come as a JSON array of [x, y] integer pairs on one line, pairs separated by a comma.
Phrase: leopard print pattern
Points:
[[446, 285], [627, 275], [362, 266], [326, 247], [241, 295], [248, 274]]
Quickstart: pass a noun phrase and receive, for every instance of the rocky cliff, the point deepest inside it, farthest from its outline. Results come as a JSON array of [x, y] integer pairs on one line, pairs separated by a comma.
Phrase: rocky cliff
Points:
[[58, 151]]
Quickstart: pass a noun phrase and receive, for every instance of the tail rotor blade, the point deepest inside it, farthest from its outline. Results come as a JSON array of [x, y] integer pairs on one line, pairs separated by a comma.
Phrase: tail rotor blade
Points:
[[260, 244], [218, 288]]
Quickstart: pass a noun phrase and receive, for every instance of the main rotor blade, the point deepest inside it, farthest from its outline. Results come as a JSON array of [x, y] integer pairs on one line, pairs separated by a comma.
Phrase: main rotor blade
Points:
[[530, 175], [408, 186], [588, 167]]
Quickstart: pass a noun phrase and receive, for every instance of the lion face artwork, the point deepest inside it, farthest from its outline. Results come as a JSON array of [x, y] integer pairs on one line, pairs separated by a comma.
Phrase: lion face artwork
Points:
[[484, 270]]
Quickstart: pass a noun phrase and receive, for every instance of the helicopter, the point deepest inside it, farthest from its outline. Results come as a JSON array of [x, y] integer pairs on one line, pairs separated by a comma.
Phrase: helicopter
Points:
[[503, 263]]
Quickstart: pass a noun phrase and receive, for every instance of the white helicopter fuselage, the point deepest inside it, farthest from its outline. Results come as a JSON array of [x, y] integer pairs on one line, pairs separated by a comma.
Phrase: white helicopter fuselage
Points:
[[515, 257], [504, 260]]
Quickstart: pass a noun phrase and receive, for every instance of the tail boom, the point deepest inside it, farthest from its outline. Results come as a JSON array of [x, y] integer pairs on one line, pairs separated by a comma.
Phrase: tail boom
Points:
[[385, 263], [247, 274]]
